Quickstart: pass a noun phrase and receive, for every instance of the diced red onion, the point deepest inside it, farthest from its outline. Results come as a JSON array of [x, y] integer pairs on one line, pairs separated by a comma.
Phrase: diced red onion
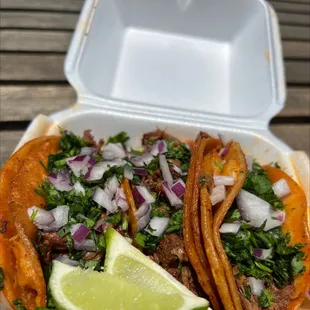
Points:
[[42, 217], [128, 174], [120, 194], [144, 220], [96, 172], [61, 215], [137, 161], [177, 169], [140, 171], [223, 180], [147, 158], [256, 285], [143, 209], [223, 152], [79, 188], [103, 199], [87, 245], [278, 215], [86, 150], [61, 181], [230, 228], [123, 204], [178, 188], [111, 185], [160, 147], [271, 223], [101, 225], [281, 188], [113, 150], [141, 195], [66, 260], [262, 253], [157, 226], [80, 232], [78, 164], [164, 167], [218, 194], [174, 200]]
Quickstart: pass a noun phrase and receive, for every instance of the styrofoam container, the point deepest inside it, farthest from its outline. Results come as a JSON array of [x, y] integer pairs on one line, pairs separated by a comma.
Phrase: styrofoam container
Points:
[[181, 65]]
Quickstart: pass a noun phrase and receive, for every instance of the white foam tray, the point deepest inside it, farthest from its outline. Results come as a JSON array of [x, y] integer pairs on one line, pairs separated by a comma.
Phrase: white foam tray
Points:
[[180, 65]]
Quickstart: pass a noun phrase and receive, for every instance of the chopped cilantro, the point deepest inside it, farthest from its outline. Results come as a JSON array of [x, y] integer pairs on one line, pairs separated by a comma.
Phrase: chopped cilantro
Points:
[[265, 299], [297, 266], [1, 279], [152, 166], [69, 242], [258, 183], [219, 165], [18, 304], [160, 209], [125, 223], [101, 244], [114, 219], [203, 180], [93, 264], [119, 138], [33, 215], [175, 222], [146, 240], [3, 226], [232, 215], [136, 180], [247, 292]]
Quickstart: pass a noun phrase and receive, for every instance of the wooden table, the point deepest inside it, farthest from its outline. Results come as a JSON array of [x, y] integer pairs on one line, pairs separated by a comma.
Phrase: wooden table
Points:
[[34, 37]]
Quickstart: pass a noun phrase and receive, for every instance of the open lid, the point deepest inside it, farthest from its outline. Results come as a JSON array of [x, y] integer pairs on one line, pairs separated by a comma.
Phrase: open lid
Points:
[[217, 60]]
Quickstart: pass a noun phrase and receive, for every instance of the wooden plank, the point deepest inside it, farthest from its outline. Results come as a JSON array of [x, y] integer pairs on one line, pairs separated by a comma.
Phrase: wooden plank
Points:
[[54, 5], [8, 142], [25, 40], [39, 20], [303, 8], [297, 72], [294, 19], [31, 67], [297, 50], [25, 102], [297, 102], [296, 136], [295, 33], [293, 1]]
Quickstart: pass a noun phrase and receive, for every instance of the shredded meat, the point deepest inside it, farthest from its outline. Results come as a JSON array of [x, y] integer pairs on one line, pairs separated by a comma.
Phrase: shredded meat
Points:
[[88, 137], [156, 135], [53, 241], [153, 182], [92, 256]]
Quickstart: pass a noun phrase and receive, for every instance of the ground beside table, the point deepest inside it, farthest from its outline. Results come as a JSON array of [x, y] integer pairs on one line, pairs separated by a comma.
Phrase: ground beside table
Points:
[[34, 36]]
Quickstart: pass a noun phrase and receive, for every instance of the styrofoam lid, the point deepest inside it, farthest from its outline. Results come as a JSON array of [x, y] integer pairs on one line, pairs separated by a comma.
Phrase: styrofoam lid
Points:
[[220, 57]]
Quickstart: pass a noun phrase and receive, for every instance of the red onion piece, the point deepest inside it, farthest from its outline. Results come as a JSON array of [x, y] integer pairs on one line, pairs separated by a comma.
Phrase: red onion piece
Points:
[[143, 209], [223, 180], [120, 194], [79, 188], [177, 169], [61, 181], [174, 200], [223, 152], [141, 195], [157, 226], [256, 285], [178, 188], [159, 148], [101, 225], [66, 260], [113, 150], [88, 151], [78, 164], [42, 217], [230, 228], [278, 215], [128, 174], [218, 194], [80, 233], [96, 172], [123, 204], [164, 167], [103, 199], [144, 220], [61, 215], [262, 253], [111, 185], [147, 158], [140, 171], [87, 245], [281, 188], [137, 161]]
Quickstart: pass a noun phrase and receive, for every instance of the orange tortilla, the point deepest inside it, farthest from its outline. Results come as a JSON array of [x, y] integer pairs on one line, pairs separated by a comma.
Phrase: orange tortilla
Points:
[[21, 174]]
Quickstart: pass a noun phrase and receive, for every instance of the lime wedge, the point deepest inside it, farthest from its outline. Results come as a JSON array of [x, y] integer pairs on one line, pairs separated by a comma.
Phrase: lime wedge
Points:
[[127, 262], [74, 288]]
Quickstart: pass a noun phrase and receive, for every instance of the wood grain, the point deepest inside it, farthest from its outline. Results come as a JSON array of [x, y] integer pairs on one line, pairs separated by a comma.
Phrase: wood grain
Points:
[[293, 1], [294, 19], [295, 33], [297, 50], [20, 103], [296, 136], [38, 41], [38, 20], [31, 67], [286, 6], [25, 102], [51, 5], [297, 72]]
